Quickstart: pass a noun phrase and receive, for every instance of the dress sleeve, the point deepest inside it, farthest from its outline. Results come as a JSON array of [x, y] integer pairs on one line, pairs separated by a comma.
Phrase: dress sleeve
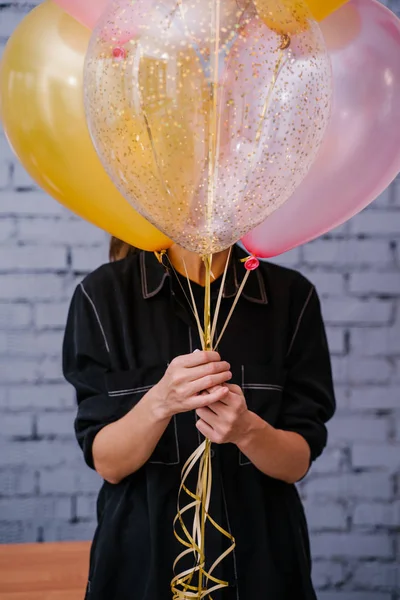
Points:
[[86, 360], [308, 398]]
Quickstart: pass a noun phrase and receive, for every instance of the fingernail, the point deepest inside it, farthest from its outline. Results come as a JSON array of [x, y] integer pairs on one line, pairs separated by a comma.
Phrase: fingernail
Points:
[[197, 350]]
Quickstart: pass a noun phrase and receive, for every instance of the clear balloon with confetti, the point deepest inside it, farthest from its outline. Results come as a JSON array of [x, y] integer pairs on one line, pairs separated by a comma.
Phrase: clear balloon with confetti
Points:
[[207, 114]]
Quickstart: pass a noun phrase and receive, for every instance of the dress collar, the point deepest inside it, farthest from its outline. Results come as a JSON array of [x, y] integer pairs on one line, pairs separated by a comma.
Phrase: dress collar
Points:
[[154, 276]]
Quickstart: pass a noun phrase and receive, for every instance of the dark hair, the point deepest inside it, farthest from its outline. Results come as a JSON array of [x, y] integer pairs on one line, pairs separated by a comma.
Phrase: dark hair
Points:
[[119, 249]]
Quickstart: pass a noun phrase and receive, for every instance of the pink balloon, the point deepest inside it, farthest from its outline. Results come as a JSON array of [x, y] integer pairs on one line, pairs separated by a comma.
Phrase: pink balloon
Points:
[[360, 155], [86, 12]]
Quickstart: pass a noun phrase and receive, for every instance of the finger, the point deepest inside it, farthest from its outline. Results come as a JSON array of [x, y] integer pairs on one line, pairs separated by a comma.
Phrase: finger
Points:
[[218, 409], [205, 429], [235, 389], [197, 401], [208, 382], [195, 359], [206, 413], [211, 368]]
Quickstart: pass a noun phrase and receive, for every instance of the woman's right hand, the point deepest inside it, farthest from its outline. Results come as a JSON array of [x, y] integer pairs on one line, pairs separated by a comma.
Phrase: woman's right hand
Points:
[[186, 377]]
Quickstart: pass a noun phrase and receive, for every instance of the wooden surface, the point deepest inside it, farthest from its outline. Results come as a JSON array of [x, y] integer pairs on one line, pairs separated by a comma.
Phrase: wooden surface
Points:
[[44, 571]]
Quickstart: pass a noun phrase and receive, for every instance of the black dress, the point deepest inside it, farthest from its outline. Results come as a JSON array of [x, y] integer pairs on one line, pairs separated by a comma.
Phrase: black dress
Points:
[[127, 321]]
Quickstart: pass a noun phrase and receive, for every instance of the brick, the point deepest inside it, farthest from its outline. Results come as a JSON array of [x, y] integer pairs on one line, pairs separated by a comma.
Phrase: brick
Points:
[[377, 575], [13, 17], [22, 181], [374, 398], [358, 428], [329, 462], [41, 453], [381, 341], [350, 485], [16, 425], [58, 424], [369, 370], [17, 533], [51, 370], [15, 316], [35, 509], [65, 532], [69, 479], [340, 369], [289, 259], [49, 397], [326, 283], [326, 517], [30, 204], [327, 574], [380, 284], [17, 482], [18, 370], [348, 253], [370, 456], [88, 259], [5, 174], [360, 372], [7, 227], [32, 258], [50, 314], [377, 515], [32, 287], [336, 340], [338, 545], [377, 223], [351, 311], [86, 507], [31, 344], [60, 231]]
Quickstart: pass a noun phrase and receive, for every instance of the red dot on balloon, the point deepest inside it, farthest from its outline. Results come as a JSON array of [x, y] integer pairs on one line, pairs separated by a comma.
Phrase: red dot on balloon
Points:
[[119, 53]]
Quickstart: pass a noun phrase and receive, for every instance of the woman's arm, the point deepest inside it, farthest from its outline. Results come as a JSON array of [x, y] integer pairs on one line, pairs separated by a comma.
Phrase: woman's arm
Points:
[[280, 454], [122, 447]]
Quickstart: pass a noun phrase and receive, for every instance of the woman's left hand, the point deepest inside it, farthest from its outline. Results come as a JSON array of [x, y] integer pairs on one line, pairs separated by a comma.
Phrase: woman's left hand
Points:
[[225, 421]]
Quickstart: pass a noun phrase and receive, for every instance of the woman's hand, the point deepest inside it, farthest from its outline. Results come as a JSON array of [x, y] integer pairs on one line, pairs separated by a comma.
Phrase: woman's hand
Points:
[[186, 377], [227, 420]]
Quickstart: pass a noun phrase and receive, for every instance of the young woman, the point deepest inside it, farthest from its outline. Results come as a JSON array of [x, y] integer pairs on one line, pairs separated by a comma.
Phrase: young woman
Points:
[[130, 353]]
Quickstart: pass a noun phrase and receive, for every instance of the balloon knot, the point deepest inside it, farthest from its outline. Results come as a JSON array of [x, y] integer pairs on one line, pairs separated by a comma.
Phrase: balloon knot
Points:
[[160, 256], [251, 263], [119, 53], [285, 42]]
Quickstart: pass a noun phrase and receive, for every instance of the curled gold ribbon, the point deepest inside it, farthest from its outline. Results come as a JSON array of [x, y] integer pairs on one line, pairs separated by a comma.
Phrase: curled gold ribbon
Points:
[[182, 585]]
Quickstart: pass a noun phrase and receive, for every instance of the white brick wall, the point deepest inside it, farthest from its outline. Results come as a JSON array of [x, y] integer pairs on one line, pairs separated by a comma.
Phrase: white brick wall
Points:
[[352, 495]]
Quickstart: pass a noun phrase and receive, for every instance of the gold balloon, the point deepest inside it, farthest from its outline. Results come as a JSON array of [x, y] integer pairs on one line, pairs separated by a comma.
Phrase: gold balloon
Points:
[[41, 93], [323, 8], [291, 16]]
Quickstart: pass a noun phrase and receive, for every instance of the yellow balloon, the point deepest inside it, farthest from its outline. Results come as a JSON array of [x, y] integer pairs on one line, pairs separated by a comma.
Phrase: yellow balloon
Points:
[[288, 17], [41, 106], [323, 8]]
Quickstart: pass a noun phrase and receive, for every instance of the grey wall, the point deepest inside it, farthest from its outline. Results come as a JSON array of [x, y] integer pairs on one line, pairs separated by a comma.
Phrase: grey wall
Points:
[[352, 494]]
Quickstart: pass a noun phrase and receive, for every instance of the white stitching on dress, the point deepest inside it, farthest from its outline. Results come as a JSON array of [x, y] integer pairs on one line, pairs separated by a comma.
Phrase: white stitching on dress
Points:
[[145, 388], [97, 317], [299, 320], [262, 386]]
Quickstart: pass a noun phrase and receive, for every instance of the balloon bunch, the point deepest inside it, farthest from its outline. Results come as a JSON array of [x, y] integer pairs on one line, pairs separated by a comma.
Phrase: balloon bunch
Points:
[[201, 124]]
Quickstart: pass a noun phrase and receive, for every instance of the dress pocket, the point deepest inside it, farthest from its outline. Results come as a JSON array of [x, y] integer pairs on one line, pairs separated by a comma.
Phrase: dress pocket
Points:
[[262, 386], [126, 389]]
